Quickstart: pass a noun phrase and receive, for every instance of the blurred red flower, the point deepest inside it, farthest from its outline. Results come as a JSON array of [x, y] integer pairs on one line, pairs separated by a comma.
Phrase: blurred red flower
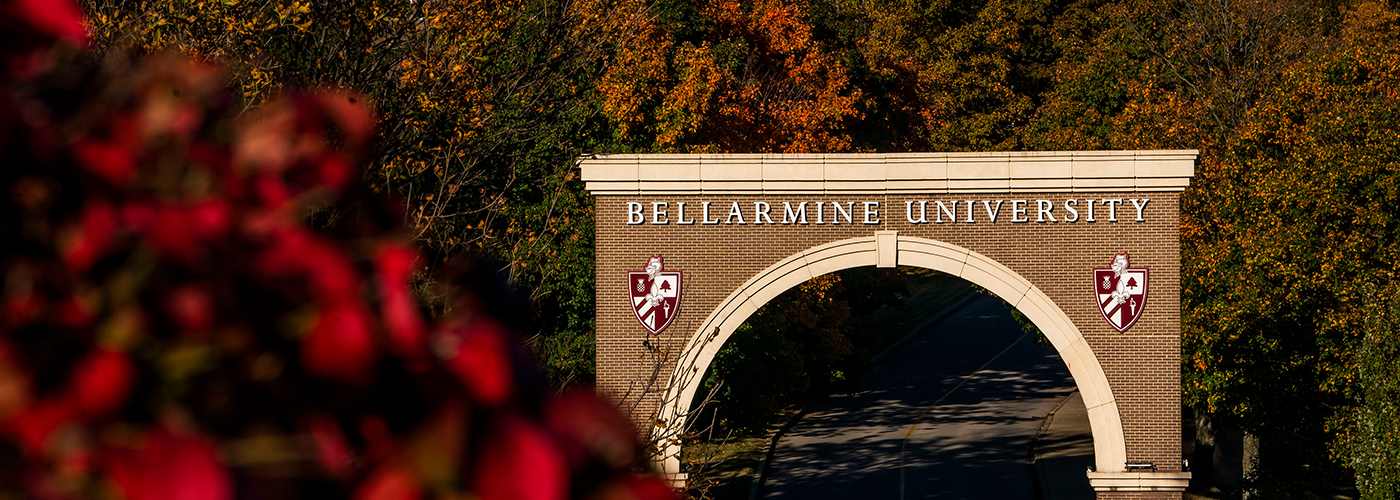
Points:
[[59, 19], [191, 309], [390, 483], [341, 345], [197, 299], [102, 381], [520, 462], [395, 265], [93, 236], [160, 465], [476, 354], [36, 423]]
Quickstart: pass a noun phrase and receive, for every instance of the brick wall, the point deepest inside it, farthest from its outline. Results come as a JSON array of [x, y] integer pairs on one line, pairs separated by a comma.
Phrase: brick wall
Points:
[[1142, 365]]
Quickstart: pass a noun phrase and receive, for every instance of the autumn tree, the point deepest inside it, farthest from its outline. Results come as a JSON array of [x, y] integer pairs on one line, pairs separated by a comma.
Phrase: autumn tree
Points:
[[1292, 220], [834, 75], [1285, 219], [729, 76], [484, 108], [960, 76]]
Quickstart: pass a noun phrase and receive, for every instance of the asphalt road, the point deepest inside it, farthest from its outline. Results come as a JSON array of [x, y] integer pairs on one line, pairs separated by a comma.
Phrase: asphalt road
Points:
[[951, 415]]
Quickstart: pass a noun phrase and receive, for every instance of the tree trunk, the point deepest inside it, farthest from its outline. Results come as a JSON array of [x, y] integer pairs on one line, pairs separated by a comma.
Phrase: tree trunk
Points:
[[1249, 458], [1203, 457]]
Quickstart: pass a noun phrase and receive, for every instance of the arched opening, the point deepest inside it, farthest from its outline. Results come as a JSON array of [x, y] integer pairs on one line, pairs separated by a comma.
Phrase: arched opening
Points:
[[888, 249]]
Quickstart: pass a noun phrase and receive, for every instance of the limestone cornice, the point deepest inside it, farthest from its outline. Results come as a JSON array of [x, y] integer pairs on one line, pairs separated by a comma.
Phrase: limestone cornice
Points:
[[890, 173], [1139, 481]]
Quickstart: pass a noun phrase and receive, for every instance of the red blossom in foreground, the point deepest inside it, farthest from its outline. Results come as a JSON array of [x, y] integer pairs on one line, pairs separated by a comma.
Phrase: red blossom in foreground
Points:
[[476, 354], [333, 452], [523, 464], [191, 309], [160, 465], [55, 18], [92, 236], [174, 328], [32, 427], [102, 381], [395, 267], [341, 345], [390, 483]]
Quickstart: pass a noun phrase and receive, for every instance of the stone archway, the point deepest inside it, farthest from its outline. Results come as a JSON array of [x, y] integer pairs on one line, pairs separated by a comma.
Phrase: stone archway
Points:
[[741, 229], [888, 249]]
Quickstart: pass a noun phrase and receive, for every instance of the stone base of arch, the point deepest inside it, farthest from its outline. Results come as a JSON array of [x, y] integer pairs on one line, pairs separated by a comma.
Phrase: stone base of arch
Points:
[[1138, 482]]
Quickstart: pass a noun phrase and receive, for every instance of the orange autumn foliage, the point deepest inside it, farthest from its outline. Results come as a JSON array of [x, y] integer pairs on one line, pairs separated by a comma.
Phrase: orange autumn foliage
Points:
[[759, 82]]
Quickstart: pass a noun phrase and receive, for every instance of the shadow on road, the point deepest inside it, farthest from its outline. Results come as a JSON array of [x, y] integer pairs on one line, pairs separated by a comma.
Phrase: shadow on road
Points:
[[906, 435]]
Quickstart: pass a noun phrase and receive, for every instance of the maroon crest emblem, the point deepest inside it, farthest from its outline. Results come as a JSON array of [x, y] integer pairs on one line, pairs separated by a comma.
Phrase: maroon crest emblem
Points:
[[1121, 292], [656, 295]]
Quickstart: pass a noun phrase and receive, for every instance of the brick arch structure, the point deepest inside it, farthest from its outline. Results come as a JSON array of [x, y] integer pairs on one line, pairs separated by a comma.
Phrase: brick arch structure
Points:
[[713, 219], [887, 249]]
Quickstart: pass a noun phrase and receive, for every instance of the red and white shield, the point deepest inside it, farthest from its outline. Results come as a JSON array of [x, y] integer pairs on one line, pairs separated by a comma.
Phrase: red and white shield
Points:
[[1121, 292], [656, 295]]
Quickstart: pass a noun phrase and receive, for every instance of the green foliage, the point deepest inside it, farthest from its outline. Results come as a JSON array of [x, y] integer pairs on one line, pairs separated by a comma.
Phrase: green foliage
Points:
[[1375, 447], [807, 342], [757, 377], [942, 76], [1294, 217]]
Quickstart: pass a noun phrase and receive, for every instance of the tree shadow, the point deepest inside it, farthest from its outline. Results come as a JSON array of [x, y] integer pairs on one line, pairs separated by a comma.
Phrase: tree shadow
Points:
[[969, 432]]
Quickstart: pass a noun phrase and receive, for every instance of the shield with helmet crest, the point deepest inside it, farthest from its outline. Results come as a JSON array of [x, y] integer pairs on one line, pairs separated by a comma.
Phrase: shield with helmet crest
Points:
[[656, 295], [1121, 292]]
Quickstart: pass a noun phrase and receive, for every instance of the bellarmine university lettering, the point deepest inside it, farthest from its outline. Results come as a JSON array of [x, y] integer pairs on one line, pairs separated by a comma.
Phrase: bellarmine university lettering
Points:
[[1071, 211]]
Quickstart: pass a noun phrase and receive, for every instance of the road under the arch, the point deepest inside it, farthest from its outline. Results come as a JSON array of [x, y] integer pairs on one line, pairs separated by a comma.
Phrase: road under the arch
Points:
[[976, 391]]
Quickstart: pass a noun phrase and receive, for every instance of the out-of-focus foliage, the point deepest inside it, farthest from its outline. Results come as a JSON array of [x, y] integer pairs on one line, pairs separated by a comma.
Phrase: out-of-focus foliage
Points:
[[484, 108], [174, 328]]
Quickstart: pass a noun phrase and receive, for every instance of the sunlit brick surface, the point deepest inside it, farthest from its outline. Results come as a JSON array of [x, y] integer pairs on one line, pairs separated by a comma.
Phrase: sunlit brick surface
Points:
[[1142, 365]]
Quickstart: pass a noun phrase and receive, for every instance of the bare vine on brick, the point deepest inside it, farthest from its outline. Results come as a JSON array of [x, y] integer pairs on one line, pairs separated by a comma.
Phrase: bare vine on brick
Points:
[[663, 439]]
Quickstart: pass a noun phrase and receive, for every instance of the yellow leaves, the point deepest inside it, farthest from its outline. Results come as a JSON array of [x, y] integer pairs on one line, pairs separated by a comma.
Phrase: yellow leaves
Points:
[[1369, 23], [639, 65], [821, 286], [293, 10], [698, 79]]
